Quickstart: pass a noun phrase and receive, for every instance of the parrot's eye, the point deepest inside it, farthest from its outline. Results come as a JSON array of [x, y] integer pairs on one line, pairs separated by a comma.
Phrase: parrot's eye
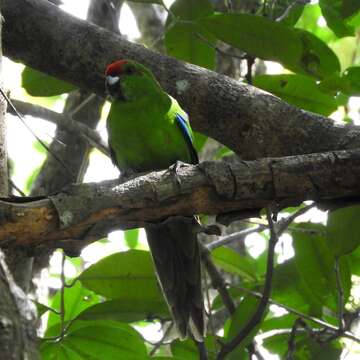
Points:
[[129, 70]]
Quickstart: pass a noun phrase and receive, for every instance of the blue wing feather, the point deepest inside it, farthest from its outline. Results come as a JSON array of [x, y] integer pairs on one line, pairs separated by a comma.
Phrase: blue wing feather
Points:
[[183, 126]]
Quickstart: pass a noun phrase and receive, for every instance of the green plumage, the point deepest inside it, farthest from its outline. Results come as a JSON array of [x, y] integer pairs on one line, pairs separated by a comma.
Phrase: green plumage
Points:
[[148, 131]]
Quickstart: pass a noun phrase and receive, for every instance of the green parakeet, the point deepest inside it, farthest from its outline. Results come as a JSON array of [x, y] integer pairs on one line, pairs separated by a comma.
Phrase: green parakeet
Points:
[[148, 131]]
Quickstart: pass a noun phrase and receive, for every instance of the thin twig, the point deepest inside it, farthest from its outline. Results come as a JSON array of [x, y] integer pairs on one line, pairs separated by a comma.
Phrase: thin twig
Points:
[[35, 136], [235, 237], [161, 341], [259, 313], [289, 8], [62, 296], [340, 291], [14, 186], [298, 323], [216, 48], [91, 136], [216, 279], [201, 350], [291, 310]]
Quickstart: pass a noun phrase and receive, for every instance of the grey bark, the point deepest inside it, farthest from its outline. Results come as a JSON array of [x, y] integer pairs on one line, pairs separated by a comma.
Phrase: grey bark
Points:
[[87, 212], [17, 313], [251, 122]]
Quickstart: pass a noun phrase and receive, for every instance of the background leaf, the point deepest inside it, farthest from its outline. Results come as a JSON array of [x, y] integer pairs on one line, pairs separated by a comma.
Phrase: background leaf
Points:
[[37, 83], [298, 90]]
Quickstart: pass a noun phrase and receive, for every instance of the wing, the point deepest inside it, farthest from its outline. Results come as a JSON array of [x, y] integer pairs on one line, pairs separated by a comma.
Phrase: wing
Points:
[[184, 128]]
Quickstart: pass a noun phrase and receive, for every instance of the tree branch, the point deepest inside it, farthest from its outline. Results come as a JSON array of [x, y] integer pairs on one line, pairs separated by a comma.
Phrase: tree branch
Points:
[[251, 122], [89, 211]]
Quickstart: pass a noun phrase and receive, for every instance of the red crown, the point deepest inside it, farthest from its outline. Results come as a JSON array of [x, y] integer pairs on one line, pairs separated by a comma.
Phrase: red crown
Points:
[[115, 68]]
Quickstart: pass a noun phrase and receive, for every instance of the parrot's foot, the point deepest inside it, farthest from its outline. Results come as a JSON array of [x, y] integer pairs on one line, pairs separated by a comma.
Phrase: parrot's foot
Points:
[[173, 169]]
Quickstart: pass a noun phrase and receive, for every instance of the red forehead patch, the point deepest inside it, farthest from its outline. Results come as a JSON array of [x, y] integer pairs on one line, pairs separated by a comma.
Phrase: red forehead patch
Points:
[[115, 68]]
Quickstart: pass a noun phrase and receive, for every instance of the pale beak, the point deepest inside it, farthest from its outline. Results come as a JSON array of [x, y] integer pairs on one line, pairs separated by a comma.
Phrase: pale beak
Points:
[[112, 80]]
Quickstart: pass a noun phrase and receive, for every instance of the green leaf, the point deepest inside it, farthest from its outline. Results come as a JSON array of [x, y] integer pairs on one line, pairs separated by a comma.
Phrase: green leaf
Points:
[[238, 320], [132, 238], [296, 49], [97, 341], [315, 263], [231, 261], [125, 275], [182, 38], [187, 350], [309, 21], [332, 12], [278, 344], [126, 310], [352, 77], [298, 90], [289, 289], [309, 348], [37, 83], [343, 227], [77, 299], [279, 322], [350, 8]]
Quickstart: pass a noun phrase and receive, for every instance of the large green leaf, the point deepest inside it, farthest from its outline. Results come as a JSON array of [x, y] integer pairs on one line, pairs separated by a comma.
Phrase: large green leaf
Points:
[[37, 83], [332, 12], [183, 39], [296, 49], [77, 298], [238, 320], [289, 289], [315, 263], [97, 341], [343, 227], [299, 90], [126, 310], [233, 262], [128, 275]]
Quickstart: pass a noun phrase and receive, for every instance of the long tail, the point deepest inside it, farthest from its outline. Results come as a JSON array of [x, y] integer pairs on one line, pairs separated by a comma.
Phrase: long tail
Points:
[[175, 251]]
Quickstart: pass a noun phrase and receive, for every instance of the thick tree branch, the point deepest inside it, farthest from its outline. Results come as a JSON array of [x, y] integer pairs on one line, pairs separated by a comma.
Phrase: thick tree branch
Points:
[[251, 122], [89, 211]]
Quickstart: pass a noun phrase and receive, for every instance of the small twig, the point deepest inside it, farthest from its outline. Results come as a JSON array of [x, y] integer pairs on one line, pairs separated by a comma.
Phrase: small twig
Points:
[[216, 48], [340, 291], [82, 105], [291, 310], [35, 136], [62, 296], [13, 185], [235, 237], [250, 61], [168, 10], [253, 350], [201, 349], [161, 341], [91, 136], [289, 8], [216, 279], [298, 323], [259, 313]]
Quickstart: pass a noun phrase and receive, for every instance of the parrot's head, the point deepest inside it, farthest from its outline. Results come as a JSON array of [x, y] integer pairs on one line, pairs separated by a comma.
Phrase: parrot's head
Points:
[[127, 80]]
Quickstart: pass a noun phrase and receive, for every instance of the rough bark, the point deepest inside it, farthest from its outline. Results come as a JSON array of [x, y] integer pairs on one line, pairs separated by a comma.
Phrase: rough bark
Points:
[[17, 313], [251, 122], [90, 211]]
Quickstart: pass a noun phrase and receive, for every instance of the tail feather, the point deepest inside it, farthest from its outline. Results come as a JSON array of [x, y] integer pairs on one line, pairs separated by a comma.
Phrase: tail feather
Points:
[[175, 251]]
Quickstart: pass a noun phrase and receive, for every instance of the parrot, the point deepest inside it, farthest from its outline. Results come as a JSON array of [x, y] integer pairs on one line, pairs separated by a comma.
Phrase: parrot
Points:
[[148, 131]]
